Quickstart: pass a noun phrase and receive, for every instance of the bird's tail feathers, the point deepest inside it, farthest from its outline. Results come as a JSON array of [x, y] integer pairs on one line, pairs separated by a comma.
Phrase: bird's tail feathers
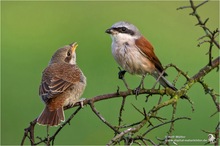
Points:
[[165, 83], [51, 118]]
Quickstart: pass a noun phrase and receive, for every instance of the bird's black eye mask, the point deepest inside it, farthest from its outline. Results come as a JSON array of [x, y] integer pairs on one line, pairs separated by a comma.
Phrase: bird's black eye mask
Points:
[[123, 30]]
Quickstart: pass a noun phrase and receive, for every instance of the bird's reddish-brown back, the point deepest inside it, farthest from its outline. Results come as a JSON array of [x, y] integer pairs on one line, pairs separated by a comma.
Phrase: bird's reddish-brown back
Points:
[[145, 46]]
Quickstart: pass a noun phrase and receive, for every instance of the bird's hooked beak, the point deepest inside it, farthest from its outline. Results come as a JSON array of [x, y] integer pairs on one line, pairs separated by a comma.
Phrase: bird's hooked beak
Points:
[[111, 31], [73, 46]]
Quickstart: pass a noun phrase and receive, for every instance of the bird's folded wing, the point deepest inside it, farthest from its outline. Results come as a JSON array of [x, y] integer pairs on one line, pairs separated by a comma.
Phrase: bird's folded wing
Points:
[[53, 87], [147, 50], [56, 81]]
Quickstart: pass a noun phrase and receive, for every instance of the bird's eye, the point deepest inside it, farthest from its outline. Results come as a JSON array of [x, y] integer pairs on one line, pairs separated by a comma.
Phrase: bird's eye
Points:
[[123, 29], [68, 53]]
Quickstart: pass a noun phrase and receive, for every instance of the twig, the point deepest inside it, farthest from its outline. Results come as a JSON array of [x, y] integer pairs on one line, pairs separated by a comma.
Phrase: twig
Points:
[[143, 135], [217, 128], [120, 112], [130, 125], [178, 70], [143, 122], [143, 113], [200, 22], [161, 105], [138, 110], [176, 78], [101, 117], [120, 135], [183, 7], [29, 130], [47, 140], [119, 94], [202, 73], [173, 117], [64, 124], [210, 91], [135, 129]]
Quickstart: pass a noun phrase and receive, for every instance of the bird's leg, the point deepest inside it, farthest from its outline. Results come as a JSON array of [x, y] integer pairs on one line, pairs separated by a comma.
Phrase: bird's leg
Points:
[[121, 74], [137, 90], [81, 100]]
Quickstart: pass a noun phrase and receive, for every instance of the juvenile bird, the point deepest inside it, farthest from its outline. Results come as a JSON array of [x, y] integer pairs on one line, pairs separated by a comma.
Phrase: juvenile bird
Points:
[[62, 84], [135, 54]]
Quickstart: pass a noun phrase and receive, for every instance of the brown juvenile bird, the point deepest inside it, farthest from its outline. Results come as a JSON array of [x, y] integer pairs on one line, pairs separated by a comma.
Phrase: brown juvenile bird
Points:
[[62, 84]]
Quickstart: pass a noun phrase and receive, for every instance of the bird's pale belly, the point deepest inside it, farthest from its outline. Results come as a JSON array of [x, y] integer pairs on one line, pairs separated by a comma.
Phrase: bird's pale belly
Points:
[[133, 61]]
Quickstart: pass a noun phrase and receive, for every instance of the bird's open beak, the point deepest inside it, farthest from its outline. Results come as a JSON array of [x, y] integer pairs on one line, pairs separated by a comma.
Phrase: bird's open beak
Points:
[[73, 46]]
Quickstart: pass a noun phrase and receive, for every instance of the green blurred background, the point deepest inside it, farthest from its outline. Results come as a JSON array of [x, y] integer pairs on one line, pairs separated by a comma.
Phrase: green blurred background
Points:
[[32, 31]]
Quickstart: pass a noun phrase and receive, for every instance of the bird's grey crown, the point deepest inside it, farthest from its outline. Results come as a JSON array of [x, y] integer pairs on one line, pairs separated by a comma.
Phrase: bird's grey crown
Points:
[[133, 30]]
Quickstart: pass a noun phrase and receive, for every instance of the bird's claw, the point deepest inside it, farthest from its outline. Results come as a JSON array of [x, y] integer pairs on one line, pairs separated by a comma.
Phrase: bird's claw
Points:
[[121, 74], [81, 100], [137, 91]]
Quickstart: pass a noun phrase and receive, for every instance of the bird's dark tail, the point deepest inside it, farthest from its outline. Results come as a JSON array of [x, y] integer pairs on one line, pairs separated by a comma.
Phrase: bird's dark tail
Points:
[[51, 118], [165, 83]]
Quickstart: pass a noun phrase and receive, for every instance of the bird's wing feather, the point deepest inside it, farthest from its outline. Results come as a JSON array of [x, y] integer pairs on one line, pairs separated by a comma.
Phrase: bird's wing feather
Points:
[[147, 49], [57, 78]]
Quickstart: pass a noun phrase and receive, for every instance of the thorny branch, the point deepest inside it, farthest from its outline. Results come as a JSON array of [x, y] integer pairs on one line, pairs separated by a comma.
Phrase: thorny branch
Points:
[[151, 114], [208, 33], [129, 133], [211, 35], [29, 132], [121, 111]]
